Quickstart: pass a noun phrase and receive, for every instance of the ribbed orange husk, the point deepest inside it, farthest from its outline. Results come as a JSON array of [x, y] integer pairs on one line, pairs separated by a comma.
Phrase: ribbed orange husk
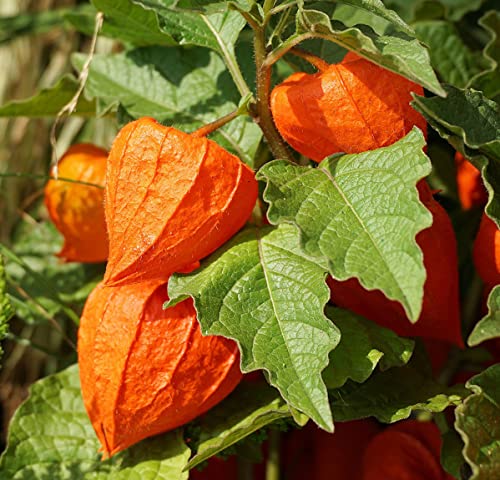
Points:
[[408, 450], [471, 191], [351, 107], [440, 316], [145, 370], [486, 252], [171, 199], [78, 210]]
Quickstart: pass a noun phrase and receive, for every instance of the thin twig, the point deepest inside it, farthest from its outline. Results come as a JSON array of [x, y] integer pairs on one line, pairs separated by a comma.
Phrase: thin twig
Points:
[[70, 107], [48, 177]]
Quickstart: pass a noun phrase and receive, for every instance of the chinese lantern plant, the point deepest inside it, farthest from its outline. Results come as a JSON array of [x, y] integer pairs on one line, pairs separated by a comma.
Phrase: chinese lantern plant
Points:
[[240, 199]]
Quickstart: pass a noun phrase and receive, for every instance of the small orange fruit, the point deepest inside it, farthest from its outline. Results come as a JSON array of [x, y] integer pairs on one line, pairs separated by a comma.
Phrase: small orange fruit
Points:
[[78, 210]]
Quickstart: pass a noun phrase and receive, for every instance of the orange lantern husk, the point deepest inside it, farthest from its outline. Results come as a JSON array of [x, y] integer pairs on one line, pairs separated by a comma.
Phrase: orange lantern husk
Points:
[[408, 450], [350, 107], [486, 252], [77, 210], [171, 199], [470, 187], [145, 370]]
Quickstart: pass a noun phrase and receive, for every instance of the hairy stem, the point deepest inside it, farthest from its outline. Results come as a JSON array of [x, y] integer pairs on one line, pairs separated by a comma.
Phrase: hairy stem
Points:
[[212, 126], [262, 112]]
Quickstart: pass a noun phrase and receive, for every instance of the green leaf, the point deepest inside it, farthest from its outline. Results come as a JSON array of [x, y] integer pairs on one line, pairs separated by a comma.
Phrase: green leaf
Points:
[[250, 407], [198, 6], [31, 23], [477, 423], [6, 310], [452, 10], [361, 213], [41, 286], [397, 51], [218, 30], [404, 8], [489, 326], [456, 9], [184, 87], [377, 8], [393, 395], [132, 23], [49, 101], [470, 122], [50, 437], [489, 80], [452, 59], [261, 290], [363, 345]]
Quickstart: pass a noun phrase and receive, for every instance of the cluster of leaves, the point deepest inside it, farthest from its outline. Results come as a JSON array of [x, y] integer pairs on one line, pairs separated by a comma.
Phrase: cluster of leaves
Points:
[[266, 287]]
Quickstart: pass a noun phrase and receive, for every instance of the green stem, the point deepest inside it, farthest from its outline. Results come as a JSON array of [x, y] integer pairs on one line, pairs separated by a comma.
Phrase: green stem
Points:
[[267, 7], [276, 54], [262, 114], [273, 459]]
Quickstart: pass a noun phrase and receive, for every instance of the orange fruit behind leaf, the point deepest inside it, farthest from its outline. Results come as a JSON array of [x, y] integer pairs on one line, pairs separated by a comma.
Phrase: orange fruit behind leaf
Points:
[[408, 450], [471, 191], [313, 454], [349, 107], [171, 199], [486, 252], [440, 316], [145, 370], [77, 210]]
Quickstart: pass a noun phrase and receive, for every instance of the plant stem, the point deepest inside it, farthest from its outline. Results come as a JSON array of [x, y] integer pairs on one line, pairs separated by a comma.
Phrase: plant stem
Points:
[[273, 460], [268, 6], [262, 113], [315, 61], [212, 126], [277, 53]]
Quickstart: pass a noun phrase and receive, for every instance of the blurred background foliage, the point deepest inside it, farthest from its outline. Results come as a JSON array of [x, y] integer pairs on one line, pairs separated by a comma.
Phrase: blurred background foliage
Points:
[[47, 294]]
